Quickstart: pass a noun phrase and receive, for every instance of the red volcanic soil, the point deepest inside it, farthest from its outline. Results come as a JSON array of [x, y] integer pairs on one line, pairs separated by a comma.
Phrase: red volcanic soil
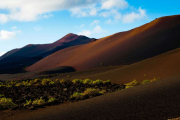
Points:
[[149, 40], [153, 101]]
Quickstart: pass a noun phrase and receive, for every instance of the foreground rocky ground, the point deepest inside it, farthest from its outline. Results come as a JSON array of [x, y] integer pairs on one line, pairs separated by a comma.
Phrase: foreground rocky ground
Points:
[[42, 92]]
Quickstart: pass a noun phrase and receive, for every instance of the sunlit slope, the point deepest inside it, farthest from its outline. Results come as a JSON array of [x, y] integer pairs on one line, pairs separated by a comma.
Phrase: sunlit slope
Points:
[[154, 38]]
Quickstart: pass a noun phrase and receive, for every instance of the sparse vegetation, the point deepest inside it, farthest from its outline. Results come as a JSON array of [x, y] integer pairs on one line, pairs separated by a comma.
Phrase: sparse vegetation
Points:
[[145, 81], [135, 82], [77, 96], [28, 103], [44, 91], [45, 81], [87, 81], [75, 81], [52, 100], [6, 103], [39, 102], [98, 81]]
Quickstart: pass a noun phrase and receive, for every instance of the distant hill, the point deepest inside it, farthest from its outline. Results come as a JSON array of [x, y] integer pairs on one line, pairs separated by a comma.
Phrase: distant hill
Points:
[[149, 40], [15, 60]]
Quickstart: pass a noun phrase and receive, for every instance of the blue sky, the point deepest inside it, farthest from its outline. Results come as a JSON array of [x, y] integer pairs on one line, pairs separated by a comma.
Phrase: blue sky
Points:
[[25, 22]]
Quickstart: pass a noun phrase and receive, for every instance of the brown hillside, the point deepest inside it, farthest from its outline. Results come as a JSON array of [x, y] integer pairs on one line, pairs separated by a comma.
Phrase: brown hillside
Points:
[[154, 38]]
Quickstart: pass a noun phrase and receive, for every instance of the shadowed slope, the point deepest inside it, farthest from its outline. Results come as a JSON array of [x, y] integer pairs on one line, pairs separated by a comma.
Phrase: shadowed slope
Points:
[[161, 66], [153, 101], [154, 38], [30, 54], [8, 53]]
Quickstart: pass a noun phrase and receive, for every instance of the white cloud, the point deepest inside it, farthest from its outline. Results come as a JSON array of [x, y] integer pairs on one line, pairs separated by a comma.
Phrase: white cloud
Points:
[[131, 17], [48, 15], [5, 35], [109, 21], [95, 22], [2, 53], [82, 25], [114, 13], [14, 27], [31, 10], [93, 11], [108, 4], [37, 28], [78, 12], [3, 18], [89, 33], [85, 33]]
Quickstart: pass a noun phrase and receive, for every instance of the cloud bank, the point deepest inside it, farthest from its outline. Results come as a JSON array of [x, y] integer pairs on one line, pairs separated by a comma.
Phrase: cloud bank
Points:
[[31, 10]]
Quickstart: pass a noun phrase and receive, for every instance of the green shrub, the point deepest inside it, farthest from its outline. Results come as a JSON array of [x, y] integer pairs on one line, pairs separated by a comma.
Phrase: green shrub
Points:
[[97, 81], [28, 103], [77, 95], [26, 83], [37, 80], [39, 102], [18, 84], [87, 81], [133, 83], [8, 85], [145, 81], [75, 81], [154, 79], [1, 95], [52, 99], [103, 92], [91, 92], [107, 81], [52, 82], [6, 103], [45, 81], [62, 81]]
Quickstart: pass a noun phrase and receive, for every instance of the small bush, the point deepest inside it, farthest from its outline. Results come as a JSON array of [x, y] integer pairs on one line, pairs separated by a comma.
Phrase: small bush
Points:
[[1, 95], [107, 82], [6, 103], [75, 81], [103, 92], [26, 83], [77, 96], [52, 99], [62, 81], [97, 81], [39, 102], [45, 81], [52, 82], [91, 92], [87, 81], [28, 103], [154, 79], [18, 84], [133, 83], [145, 81], [37, 80]]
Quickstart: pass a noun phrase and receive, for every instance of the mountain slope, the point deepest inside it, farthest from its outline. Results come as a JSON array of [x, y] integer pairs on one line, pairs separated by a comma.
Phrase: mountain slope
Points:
[[154, 38], [28, 55]]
